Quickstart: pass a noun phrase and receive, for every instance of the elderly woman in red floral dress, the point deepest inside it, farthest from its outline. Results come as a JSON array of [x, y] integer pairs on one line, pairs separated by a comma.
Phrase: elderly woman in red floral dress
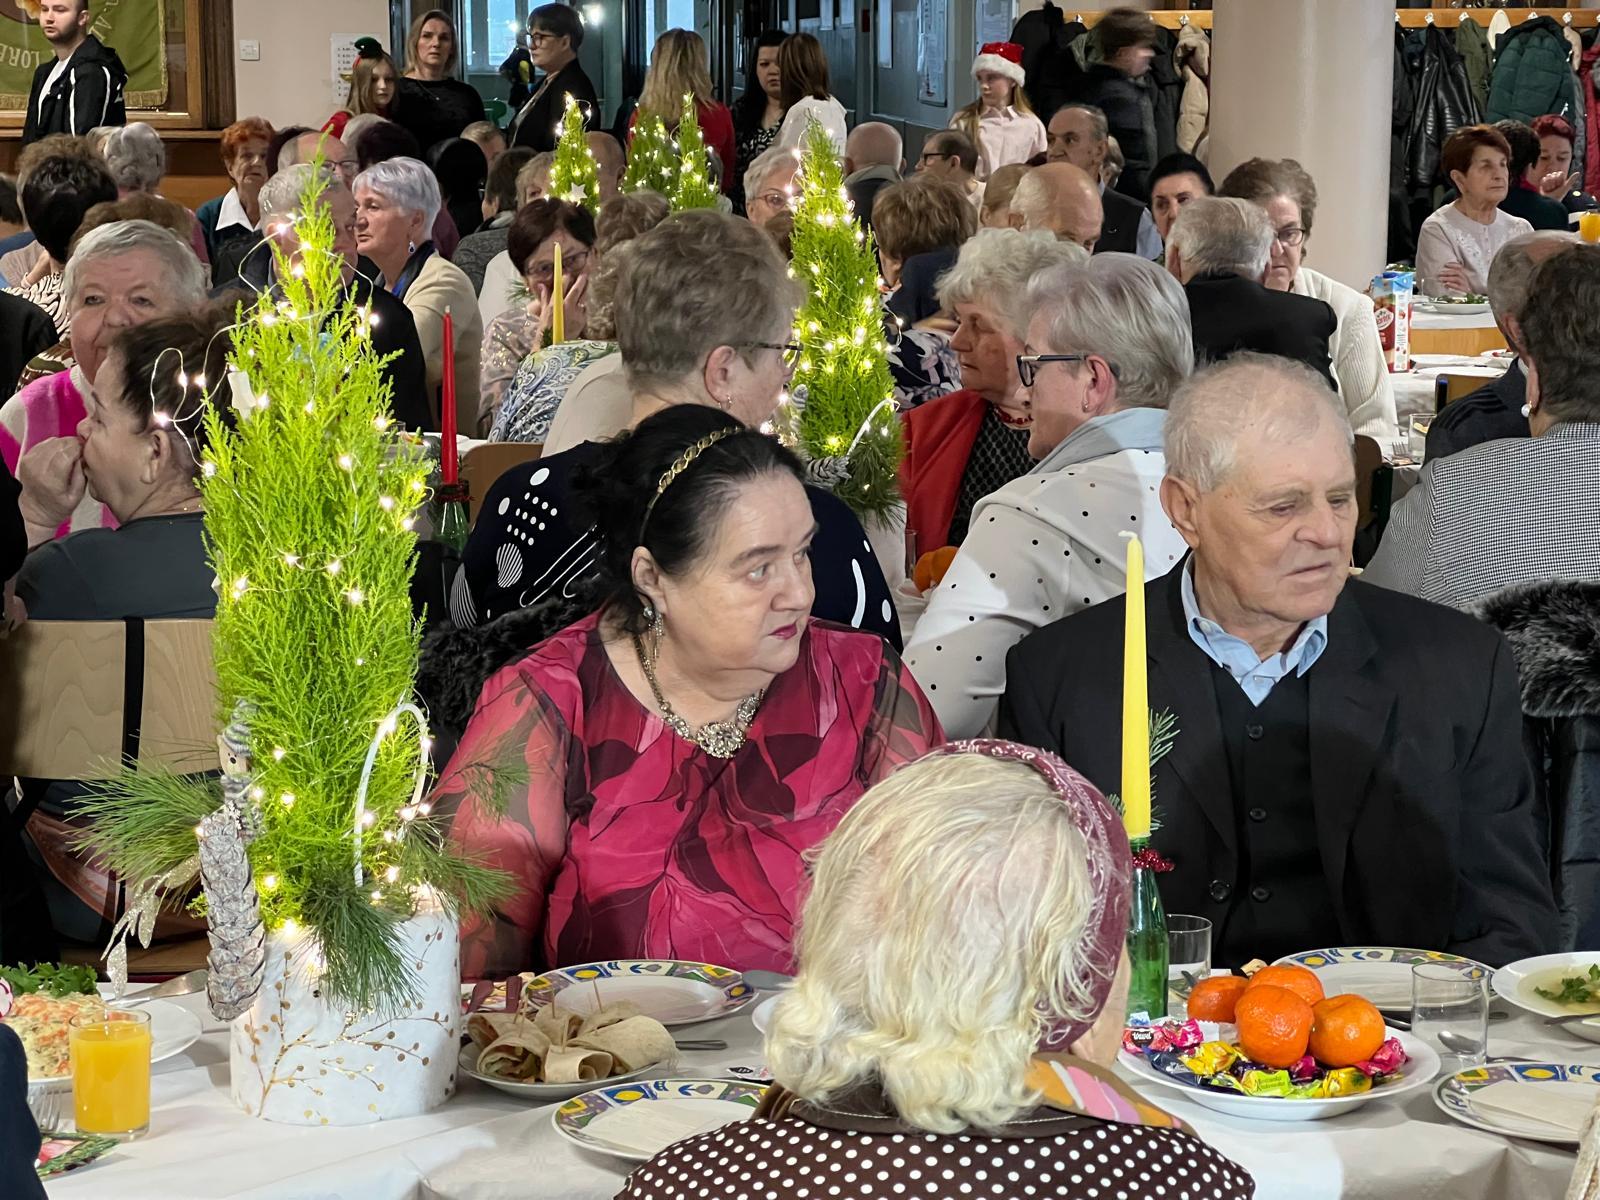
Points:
[[669, 759]]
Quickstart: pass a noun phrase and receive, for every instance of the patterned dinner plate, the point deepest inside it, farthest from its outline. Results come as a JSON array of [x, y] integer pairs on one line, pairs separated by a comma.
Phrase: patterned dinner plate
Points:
[[639, 1120], [674, 993], [1454, 1093], [1380, 973]]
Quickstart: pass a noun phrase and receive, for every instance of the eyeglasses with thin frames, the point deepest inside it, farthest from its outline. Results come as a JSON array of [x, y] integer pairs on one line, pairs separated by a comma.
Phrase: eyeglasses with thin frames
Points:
[[1289, 235], [791, 350], [1028, 364]]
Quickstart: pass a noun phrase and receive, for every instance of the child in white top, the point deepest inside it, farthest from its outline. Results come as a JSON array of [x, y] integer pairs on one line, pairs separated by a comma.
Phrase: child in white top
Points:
[[1000, 121]]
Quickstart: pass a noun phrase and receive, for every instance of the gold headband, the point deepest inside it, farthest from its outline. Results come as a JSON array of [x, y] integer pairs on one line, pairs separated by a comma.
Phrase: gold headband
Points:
[[679, 466]]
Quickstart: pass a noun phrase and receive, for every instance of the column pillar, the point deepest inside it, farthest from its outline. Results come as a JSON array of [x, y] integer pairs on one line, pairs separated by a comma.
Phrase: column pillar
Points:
[[1313, 81]]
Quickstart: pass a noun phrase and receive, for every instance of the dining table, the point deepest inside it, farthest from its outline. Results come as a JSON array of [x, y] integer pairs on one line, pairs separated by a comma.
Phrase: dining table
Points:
[[482, 1144]]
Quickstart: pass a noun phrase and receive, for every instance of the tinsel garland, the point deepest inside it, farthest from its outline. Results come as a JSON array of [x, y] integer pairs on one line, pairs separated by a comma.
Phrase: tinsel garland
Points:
[[843, 395]]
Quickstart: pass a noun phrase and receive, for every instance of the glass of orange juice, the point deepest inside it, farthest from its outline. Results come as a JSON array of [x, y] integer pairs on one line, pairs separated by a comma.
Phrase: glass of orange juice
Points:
[[110, 1053], [1589, 226]]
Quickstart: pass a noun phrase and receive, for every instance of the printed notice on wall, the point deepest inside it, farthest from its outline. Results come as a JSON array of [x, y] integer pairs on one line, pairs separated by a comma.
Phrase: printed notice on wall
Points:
[[932, 16], [885, 34], [343, 47], [994, 22]]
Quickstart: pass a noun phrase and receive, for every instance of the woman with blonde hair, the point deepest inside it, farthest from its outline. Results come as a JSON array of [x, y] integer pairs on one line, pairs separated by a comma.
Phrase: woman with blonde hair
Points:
[[679, 67], [433, 104], [1000, 122], [961, 974]]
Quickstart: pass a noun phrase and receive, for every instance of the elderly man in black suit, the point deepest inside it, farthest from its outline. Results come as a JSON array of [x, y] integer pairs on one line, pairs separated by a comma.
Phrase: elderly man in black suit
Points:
[[1079, 134], [1348, 766], [1219, 251]]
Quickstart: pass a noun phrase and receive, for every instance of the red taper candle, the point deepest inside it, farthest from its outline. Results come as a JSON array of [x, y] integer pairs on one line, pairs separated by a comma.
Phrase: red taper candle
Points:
[[448, 467]]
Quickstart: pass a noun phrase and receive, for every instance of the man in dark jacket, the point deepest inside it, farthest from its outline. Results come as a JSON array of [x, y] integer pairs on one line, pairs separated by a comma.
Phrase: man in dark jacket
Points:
[[1127, 42], [1494, 411], [555, 33], [82, 87], [1079, 134], [25, 330], [393, 328], [1219, 249], [19, 1136], [1348, 768]]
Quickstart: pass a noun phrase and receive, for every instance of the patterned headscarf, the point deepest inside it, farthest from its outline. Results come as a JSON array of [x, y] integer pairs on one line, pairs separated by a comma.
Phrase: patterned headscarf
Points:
[[1110, 869]]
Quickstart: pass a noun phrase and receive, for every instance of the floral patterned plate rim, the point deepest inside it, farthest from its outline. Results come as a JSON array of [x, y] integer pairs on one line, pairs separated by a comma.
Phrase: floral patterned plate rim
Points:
[[1380, 973], [672, 991], [1453, 1095], [541, 1092], [685, 1108]]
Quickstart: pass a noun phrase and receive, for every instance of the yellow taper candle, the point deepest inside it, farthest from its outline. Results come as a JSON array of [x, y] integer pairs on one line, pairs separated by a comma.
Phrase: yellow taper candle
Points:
[[558, 297], [1135, 702]]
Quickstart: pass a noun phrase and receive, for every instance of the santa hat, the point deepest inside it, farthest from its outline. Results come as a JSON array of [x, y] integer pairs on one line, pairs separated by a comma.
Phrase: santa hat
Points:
[[1003, 58]]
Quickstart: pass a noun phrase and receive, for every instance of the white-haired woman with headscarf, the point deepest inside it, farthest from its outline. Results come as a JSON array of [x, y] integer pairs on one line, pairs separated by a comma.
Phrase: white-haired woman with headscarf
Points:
[[960, 997], [396, 203]]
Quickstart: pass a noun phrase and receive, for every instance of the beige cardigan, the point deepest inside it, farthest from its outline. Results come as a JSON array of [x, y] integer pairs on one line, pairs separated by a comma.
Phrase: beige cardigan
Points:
[[1357, 355], [440, 285]]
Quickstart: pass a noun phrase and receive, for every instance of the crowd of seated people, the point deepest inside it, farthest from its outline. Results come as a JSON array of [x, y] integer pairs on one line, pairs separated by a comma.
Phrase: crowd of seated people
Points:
[[684, 648]]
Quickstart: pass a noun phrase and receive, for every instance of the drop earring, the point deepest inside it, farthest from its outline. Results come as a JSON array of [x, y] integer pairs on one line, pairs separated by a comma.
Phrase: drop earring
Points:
[[411, 248]]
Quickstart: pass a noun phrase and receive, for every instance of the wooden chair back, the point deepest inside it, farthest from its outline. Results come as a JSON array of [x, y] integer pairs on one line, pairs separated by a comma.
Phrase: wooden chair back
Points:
[[485, 463], [1449, 388], [66, 687]]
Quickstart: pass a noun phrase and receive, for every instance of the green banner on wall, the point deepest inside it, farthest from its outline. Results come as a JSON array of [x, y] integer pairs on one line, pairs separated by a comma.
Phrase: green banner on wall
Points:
[[135, 29]]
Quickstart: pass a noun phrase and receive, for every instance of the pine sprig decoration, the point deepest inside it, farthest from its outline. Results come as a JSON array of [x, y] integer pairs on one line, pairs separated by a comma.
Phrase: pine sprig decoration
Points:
[[652, 157], [1163, 736], [309, 505], [844, 395], [695, 188], [575, 176]]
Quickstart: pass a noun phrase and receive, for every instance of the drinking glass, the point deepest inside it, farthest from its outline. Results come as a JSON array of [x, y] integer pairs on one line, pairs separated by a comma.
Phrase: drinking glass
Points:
[[1188, 947], [1589, 227], [1450, 1011], [1417, 436], [110, 1053]]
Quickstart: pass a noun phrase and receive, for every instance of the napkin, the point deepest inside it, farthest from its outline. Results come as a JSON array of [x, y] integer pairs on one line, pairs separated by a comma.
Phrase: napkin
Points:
[[1560, 1103]]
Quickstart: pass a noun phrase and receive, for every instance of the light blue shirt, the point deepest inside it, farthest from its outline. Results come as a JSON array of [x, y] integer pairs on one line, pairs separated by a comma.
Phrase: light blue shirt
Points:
[[1256, 676]]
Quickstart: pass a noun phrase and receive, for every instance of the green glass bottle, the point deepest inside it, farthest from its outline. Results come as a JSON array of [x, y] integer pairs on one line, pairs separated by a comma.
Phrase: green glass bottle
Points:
[[453, 522], [1147, 947]]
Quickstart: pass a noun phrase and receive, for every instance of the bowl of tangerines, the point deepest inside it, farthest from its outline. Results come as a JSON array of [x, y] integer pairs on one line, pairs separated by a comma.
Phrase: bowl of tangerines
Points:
[[1273, 1047]]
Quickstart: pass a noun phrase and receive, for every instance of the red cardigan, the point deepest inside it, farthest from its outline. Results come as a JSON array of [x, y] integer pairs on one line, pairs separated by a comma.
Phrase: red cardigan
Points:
[[939, 437], [716, 127]]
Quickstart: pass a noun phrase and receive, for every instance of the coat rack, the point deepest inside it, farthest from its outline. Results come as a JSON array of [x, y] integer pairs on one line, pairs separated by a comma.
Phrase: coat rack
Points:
[[1410, 18]]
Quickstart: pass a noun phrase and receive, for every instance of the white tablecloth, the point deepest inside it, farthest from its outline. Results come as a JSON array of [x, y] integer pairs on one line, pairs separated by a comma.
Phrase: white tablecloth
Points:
[[483, 1145], [1421, 319], [1414, 389]]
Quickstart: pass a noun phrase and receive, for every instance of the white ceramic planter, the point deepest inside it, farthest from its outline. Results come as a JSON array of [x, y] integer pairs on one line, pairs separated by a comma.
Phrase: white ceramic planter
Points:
[[298, 1059]]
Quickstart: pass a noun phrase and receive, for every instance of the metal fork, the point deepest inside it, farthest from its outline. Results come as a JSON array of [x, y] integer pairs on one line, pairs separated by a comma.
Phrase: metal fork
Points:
[[46, 1105]]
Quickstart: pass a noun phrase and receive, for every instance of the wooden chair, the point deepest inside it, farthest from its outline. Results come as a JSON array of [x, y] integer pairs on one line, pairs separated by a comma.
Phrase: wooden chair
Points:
[[485, 463], [1448, 388], [79, 698], [1374, 495]]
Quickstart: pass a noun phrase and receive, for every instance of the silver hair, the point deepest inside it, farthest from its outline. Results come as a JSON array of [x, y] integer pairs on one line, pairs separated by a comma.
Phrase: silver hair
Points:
[[136, 156], [1217, 233], [1098, 125], [755, 176], [405, 183], [994, 266], [358, 125], [186, 278], [1512, 271], [1128, 311], [1283, 399], [281, 194]]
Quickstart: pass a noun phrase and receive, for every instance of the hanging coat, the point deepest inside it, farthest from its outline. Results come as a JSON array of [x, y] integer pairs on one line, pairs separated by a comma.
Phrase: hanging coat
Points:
[[1193, 58], [1055, 76], [1532, 73], [1443, 104], [1589, 81], [1166, 93], [1402, 229], [1472, 43]]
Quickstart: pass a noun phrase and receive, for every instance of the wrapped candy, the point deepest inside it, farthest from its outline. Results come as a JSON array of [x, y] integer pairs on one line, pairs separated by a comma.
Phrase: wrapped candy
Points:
[[1211, 1058], [1347, 1081], [1162, 1037], [1389, 1059]]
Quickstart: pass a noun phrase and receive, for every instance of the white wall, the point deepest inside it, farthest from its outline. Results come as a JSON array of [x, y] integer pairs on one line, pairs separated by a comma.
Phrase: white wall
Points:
[[292, 82]]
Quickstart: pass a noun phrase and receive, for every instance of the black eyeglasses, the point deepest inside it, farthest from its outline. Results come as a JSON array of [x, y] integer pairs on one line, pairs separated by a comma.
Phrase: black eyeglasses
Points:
[[1028, 364], [1289, 235], [791, 350]]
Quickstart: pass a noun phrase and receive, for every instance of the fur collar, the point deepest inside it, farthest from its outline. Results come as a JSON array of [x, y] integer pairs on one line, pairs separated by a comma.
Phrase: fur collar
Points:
[[1554, 630]]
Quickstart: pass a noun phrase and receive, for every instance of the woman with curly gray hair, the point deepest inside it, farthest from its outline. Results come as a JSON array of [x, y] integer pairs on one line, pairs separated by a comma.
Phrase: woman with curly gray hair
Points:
[[396, 204], [961, 991]]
